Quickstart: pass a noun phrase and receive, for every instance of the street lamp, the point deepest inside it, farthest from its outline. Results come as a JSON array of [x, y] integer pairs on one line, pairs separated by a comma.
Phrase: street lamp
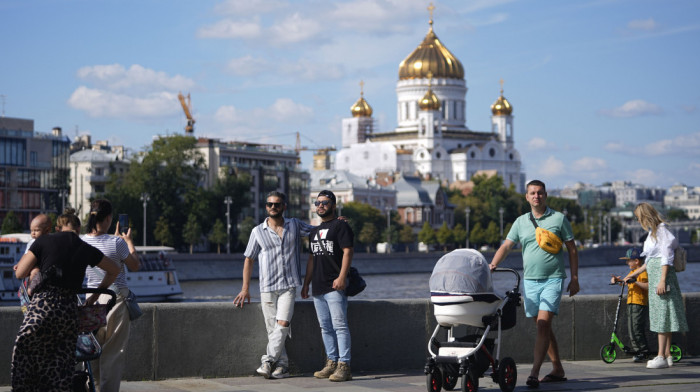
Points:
[[600, 227], [388, 229], [228, 202], [500, 214], [340, 209], [467, 211], [63, 194], [145, 197]]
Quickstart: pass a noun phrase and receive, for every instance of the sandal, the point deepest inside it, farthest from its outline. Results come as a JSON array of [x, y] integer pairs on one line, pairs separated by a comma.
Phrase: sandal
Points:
[[553, 378], [533, 382]]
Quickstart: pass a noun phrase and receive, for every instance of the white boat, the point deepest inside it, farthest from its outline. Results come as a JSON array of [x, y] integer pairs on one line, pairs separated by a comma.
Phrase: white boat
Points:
[[11, 250], [156, 281]]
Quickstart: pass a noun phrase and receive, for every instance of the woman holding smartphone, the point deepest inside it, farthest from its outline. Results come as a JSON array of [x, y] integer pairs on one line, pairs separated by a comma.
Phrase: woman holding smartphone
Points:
[[113, 337]]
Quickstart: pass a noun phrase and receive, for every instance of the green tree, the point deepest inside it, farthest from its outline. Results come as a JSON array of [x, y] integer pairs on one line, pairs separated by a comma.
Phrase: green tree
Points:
[[406, 236], [218, 234], [444, 236], [11, 224], [459, 235], [676, 214], [491, 236], [358, 214], [368, 235], [427, 234], [192, 232], [247, 226], [477, 236], [162, 232]]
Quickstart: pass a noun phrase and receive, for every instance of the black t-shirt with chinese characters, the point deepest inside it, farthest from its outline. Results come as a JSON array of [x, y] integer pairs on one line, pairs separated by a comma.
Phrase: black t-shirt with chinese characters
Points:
[[62, 258], [334, 235]]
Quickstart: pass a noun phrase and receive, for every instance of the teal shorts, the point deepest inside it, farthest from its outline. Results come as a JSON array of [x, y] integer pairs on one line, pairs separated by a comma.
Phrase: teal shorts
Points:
[[542, 294]]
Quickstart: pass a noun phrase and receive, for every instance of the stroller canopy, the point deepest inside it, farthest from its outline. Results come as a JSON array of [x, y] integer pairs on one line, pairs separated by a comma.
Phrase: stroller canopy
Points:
[[461, 271]]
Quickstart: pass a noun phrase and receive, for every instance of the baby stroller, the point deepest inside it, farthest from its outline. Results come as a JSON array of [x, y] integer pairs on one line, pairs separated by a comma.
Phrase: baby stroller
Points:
[[87, 349], [461, 291]]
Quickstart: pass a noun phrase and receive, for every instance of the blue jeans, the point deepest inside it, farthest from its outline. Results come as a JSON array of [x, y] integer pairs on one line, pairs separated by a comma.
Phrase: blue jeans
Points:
[[332, 312]]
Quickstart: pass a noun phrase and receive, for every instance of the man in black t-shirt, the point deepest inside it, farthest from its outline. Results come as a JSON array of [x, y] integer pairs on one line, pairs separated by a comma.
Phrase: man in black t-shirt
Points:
[[327, 271]]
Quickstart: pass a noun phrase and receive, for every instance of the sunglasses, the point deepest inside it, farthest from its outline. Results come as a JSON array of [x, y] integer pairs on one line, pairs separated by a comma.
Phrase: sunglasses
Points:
[[276, 205], [323, 202]]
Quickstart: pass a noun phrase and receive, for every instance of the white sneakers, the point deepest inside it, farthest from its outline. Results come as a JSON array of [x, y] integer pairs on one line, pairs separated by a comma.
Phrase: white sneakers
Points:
[[265, 369], [280, 372], [659, 363]]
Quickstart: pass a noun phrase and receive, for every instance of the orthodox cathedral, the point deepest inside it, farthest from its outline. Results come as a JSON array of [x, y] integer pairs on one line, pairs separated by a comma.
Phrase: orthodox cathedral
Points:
[[432, 140]]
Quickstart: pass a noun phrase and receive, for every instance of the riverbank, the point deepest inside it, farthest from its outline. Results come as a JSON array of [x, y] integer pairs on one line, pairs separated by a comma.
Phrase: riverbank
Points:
[[211, 266]]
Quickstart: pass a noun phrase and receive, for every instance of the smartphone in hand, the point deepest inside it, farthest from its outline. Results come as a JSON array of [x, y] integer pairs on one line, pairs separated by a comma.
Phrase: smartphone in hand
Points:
[[123, 223]]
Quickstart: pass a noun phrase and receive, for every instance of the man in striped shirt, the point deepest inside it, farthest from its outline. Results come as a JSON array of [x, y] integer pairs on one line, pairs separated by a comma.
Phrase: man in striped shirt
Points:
[[276, 244]]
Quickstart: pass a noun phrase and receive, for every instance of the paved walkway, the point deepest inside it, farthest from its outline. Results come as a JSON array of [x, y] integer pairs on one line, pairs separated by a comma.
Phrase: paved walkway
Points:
[[622, 375]]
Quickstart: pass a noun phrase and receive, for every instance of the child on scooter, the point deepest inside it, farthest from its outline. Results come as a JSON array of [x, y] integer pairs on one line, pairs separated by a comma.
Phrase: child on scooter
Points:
[[637, 303]]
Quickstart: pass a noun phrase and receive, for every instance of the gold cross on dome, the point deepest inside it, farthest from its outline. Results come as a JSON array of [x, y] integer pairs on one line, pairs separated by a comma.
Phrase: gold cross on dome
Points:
[[362, 87], [431, 7], [501, 82]]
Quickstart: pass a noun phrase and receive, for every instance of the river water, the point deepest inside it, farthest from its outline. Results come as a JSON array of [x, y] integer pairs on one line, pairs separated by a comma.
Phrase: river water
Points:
[[593, 280]]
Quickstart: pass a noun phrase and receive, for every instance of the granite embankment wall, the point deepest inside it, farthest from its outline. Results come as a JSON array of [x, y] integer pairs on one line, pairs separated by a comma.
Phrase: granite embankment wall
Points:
[[174, 340], [209, 266]]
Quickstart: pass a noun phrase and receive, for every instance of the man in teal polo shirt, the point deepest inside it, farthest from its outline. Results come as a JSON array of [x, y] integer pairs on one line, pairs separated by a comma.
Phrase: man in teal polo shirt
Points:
[[544, 275]]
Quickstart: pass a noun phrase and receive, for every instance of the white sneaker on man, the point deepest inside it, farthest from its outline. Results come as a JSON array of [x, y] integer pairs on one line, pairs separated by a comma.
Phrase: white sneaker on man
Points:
[[669, 361], [657, 363], [265, 369], [280, 372]]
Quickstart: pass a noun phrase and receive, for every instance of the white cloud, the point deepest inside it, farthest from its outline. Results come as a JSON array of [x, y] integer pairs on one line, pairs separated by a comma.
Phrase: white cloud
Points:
[[294, 29], [312, 70], [634, 108], [644, 176], [688, 144], [102, 103], [616, 147], [136, 79], [551, 167], [589, 164], [237, 7], [248, 66], [283, 110], [643, 24], [229, 28], [538, 143]]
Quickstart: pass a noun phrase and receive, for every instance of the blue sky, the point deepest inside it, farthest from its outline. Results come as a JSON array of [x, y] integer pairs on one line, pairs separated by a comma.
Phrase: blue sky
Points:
[[602, 90]]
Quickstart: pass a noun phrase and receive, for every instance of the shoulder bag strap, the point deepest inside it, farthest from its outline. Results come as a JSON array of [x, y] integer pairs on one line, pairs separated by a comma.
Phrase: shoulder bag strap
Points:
[[532, 219]]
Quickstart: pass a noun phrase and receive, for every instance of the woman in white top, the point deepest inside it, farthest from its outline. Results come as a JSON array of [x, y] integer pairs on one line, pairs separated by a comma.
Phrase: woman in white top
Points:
[[666, 311], [113, 337]]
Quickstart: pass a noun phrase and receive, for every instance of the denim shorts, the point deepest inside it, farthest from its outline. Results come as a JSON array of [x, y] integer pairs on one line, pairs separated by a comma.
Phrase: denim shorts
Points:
[[542, 294]]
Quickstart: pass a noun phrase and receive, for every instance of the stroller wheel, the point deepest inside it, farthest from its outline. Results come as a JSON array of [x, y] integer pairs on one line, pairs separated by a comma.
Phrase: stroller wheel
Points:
[[607, 353], [433, 380], [449, 381], [676, 353], [470, 382], [507, 374]]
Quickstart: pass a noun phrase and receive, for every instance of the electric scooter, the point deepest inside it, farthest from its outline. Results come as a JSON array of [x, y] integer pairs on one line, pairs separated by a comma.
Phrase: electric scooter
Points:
[[608, 352]]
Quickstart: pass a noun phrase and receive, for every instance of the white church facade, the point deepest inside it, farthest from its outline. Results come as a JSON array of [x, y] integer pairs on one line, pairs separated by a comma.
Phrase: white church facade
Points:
[[432, 140]]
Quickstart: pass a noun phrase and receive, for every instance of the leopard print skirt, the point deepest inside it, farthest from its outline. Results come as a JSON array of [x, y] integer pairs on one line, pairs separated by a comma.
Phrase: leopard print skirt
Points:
[[43, 358]]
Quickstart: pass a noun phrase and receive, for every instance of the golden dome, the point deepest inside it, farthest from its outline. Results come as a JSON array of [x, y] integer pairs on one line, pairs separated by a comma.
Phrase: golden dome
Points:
[[361, 108], [501, 106], [430, 101], [431, 56]]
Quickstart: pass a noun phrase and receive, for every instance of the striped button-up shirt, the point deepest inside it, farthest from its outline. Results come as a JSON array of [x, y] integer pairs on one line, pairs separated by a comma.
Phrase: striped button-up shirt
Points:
[[279, 259]]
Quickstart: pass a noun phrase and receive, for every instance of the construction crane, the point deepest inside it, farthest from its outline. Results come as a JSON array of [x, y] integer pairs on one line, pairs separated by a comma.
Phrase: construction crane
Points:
[[187, 107], [322, 160]]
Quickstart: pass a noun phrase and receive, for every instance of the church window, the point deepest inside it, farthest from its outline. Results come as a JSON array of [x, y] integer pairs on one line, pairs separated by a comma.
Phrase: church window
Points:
[[511, 156], [459, 145], [422, 155], [492, 152], [472, 155], [347, 159], [437, 155], [386, 157], [365, 154]]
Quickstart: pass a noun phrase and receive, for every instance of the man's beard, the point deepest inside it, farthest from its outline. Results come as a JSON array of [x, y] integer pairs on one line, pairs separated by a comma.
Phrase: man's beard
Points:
[[274, 214], [328, 212]]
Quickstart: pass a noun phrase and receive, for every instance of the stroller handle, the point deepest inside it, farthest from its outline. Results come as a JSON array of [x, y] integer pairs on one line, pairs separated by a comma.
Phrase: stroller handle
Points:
[[112, 301], [517, 275]]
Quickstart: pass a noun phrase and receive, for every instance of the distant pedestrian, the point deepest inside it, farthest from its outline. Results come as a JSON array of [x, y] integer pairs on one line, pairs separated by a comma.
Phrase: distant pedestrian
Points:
[[276, 244], [113, 337], [637, 303], [544, 273], [327, 272], [666, 311]]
